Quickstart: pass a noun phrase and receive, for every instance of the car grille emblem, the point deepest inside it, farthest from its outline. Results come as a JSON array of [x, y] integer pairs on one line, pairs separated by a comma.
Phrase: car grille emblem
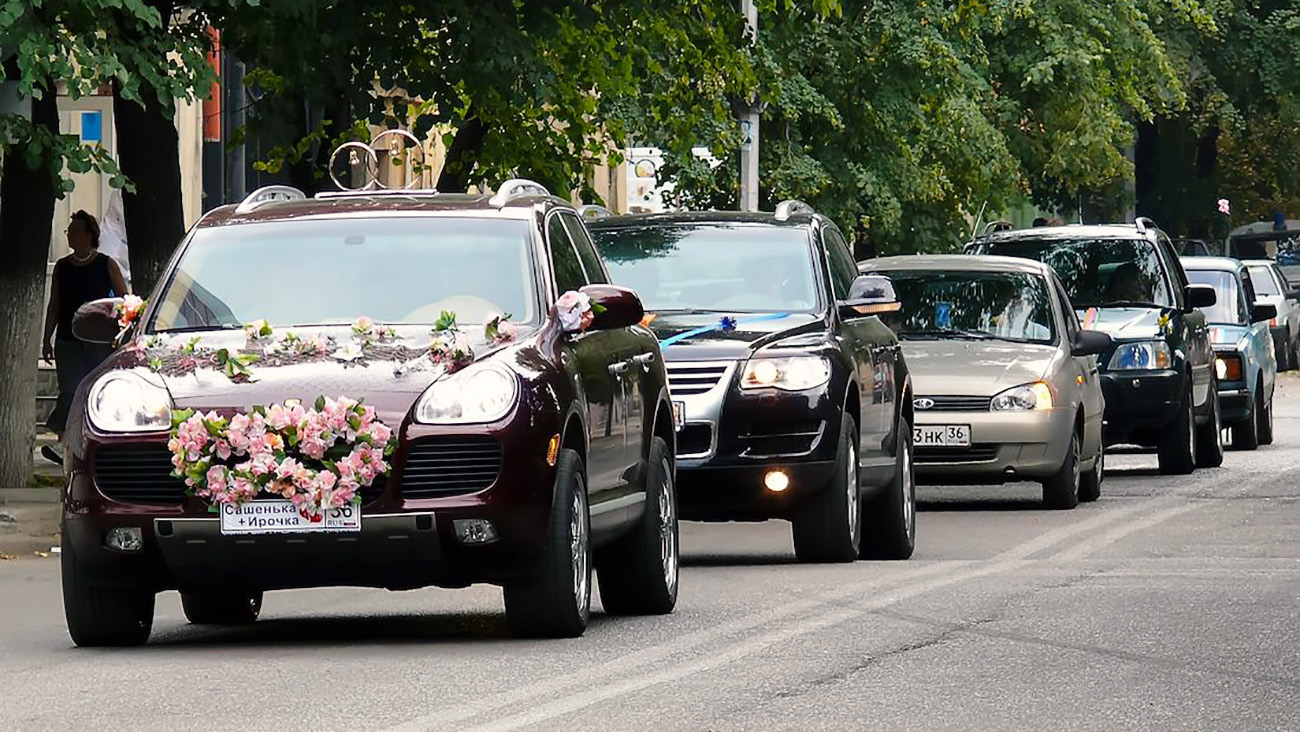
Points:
[[923, 403]]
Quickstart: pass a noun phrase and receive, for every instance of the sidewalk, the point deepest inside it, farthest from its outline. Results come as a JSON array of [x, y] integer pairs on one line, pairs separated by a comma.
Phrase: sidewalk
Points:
[[29, 517]]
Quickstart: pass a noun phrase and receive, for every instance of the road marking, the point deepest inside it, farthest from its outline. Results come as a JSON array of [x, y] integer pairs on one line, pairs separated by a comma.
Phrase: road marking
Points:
[[1094, 544]]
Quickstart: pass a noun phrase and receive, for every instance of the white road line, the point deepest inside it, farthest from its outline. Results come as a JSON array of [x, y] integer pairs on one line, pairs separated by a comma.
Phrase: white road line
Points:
[[1093, 544]]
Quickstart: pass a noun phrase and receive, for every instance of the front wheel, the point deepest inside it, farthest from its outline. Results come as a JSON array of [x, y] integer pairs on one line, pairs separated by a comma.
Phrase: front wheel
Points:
[[889, 519], [1209, 438], [1061, 490], [103, 615], [1245, 434], [638, 573], [1177, 449], [1265, 416], [557, 602], [222, 608], [1090, 482], [828, 528]]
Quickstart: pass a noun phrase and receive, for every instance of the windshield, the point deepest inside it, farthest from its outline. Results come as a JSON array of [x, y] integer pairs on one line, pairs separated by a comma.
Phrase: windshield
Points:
[[1282, 247], [1262, 279], [1010, 306], [1227, 309], [1100, 272], [400, 271], [713, 267]]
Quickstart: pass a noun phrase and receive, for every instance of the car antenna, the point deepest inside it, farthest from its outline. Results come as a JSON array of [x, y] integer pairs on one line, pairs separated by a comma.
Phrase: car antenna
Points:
[[979, 218]]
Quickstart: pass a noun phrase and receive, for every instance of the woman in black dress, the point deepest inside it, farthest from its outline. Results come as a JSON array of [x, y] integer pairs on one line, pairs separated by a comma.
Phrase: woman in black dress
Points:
[[80, 277]]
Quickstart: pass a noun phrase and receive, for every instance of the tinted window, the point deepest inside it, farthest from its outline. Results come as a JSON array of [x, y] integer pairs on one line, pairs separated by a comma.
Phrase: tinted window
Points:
[[715, 267], [843, 268], [332, 272], [568, 270], [1231, 306], [1282, 247], [1099, 273], [1005, 305], [586, 249], [1262, 278]]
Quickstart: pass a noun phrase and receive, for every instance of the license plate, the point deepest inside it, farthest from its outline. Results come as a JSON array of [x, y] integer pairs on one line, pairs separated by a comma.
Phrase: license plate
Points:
[[945, 435], [282, 517], [679, 415]]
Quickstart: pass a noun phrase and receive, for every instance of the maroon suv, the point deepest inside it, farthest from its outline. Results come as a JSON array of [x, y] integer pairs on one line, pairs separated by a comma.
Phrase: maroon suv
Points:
[[529, 445]]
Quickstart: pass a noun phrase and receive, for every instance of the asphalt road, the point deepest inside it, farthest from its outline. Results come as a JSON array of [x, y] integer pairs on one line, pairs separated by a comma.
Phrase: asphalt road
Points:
[[1171, 603]]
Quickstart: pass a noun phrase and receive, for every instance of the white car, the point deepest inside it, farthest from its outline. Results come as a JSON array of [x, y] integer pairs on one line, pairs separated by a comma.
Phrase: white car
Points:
[[1271, 287]]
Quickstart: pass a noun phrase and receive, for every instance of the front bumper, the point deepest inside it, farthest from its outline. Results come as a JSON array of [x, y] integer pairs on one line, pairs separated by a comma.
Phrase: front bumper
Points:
[[1234, 403], [1005, 446], [1140, 404]]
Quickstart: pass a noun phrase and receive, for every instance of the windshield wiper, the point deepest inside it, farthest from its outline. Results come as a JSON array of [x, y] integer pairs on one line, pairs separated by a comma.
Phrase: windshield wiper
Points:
[[978, 335], [1124, 304], [197, 328]]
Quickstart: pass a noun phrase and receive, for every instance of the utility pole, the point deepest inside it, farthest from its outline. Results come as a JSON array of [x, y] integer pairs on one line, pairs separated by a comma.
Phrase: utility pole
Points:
[[749, 126]]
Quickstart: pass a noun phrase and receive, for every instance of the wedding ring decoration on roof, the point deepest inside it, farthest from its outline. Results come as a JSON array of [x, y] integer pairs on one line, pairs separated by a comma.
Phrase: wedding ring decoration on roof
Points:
[[786, 209], [363, 160], [268, 194], [514, 188]]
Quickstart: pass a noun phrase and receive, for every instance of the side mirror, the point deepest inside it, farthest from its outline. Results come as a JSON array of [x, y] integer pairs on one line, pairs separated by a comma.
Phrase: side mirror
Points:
[[870, 294], [1201, 296], [1293, 295], [1262, 311], [96, 321], [1091, 343], [619, 306]]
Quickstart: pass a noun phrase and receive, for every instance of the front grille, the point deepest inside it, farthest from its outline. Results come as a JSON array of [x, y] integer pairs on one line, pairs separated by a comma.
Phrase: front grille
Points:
[[977, 453], [450, 466], [685, 379], [953, 403], [771, 439], [137, 473], [695, 439]]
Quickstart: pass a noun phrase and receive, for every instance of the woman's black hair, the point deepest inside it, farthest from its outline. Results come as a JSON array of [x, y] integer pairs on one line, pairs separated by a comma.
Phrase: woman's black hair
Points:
[[92, 226]]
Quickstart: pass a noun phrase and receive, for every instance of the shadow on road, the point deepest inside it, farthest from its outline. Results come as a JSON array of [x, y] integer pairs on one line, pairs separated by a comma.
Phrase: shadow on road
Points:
[[988, 504], [736, 560]]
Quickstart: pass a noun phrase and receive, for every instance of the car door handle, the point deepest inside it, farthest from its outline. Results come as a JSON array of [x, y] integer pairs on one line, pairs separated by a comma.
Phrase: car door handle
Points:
[[618, 369], [644, 359]]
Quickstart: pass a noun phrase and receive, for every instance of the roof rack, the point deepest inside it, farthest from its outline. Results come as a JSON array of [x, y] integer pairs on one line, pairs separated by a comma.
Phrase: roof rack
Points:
[[516, 187], [377, 192], [1143, 223], [594, 211], [269, 194], [788, 208]]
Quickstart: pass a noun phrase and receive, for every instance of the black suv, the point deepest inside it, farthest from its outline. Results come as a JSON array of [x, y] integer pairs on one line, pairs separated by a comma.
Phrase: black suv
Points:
[[791, 396], [1126, 280]]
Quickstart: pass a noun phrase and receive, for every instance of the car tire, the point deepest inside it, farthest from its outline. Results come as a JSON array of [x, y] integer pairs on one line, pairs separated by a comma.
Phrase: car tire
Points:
[[1061, 489], [556, 603], [1090, 482], [1177, 448], [222, 608], [1245, 434], [1264, 415], [103, 615], [828, 527], [638, 574], [1209, 438], [889, 519]]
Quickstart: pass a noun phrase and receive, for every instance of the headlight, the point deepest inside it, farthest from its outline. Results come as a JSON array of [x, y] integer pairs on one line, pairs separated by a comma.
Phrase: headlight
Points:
[[791, 374], [476, 395], [1023, 398], [1227, 366], [1141, 356], [123, 401]]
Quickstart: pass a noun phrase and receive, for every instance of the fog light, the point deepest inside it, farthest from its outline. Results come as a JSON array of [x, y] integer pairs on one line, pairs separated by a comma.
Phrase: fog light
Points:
[[776, 481], [475, 531], [128, 539]]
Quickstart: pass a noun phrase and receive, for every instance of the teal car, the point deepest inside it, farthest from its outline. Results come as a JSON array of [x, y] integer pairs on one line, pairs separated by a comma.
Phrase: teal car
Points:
[[1245, 361]]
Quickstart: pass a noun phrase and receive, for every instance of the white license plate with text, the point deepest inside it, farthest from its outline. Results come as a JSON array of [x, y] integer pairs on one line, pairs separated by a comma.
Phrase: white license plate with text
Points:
[[282, 517], [941, 435]]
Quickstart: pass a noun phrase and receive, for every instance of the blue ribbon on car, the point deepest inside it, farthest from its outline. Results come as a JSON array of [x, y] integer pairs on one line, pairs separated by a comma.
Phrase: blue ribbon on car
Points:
[[726, 323]]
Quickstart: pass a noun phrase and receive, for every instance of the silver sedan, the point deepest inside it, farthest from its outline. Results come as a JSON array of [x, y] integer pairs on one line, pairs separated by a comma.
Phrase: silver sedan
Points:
[[1005, 380]]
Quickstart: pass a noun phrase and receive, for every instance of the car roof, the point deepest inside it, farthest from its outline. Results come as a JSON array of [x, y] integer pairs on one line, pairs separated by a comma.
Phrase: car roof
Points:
[[956, 262], [381, 204], [1259, 263], [1222, 264], [691, 218], [1069, 231]]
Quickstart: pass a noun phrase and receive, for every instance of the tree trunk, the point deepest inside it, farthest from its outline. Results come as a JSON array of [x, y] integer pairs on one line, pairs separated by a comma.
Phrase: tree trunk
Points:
[[148, 150], [26, 213], [461, 157]]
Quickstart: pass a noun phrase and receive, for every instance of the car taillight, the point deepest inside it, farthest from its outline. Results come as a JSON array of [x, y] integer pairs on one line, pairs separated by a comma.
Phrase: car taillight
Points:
[[1227, 367]]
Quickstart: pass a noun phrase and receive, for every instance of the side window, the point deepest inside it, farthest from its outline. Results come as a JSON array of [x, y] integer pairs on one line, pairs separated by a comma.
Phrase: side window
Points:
[[1072, 327], [1247, 299], [1177, 277], [586, 250], [564, 260], [843, 269]]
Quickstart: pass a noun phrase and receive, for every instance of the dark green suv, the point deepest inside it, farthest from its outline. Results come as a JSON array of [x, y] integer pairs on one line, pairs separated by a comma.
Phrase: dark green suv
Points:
[[1159, 381]]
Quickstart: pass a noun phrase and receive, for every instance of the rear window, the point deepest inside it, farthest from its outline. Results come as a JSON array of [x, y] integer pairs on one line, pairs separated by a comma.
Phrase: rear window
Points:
[[1282, 247]]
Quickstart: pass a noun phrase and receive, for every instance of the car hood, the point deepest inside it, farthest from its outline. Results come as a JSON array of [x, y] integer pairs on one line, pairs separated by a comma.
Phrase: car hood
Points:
[[716, 343], [390, 385], [955, 367], [1126, 323]]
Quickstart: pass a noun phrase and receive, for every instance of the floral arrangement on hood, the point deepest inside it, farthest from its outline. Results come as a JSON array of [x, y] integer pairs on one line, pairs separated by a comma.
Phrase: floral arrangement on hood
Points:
[[318, 458], [128, 310], [498, 330]]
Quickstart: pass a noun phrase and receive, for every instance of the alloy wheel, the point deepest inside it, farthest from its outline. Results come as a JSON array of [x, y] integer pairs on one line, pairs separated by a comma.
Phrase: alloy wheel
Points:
[[578, 548], [908, 483], [667, 534], [855, 518]]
